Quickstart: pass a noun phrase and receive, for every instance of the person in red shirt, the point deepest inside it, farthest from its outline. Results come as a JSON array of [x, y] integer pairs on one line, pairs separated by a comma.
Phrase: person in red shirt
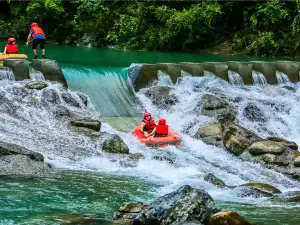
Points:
[[148, 125], [162, 129], [39, 38], [11, 47]]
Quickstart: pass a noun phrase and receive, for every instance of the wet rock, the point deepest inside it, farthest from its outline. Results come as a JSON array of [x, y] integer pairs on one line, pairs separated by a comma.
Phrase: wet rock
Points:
[[227, 218], [211, 133], [87, 123], [183, 205], [113, 143], [136, 156], [254, 113], [217, 107], [20, 92], [69, 99], [38, 85], [161, 96], [214, 180], [288, 197], [74, 219], [236, 138], [289, 88], [165, 156], [61, 111], [13, 149], [284, 142], [23, 166], [263, 147], [83, 98], [258, 190], [297, 162], [268, 158], [128, 211], [51, 96]]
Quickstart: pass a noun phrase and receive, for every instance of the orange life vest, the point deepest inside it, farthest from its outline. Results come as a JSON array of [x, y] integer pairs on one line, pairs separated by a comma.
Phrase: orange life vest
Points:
[[11, 48], [150, 125], [162, 130], [37, 30]]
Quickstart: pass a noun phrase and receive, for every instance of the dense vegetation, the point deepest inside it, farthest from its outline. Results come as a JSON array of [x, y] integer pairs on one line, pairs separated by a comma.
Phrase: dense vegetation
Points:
[[266, 28]]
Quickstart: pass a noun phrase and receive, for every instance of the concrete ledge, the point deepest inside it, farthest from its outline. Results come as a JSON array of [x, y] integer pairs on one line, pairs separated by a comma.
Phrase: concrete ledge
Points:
[[220, 69], [147, 74], [172, 69], [194, 69], [267, 69], [50, 69], [242, 68], [290, 68], [20, 68]]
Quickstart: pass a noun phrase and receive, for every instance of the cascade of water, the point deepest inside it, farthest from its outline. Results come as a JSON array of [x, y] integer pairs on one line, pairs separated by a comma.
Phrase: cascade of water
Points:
[[36, 75], [6, 74], [283, 79], [235, 78], [258, 78], [164, 78]]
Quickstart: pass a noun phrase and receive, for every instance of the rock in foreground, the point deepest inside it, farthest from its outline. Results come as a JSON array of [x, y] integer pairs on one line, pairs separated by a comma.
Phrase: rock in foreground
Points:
[[227, 218], [185, 204], [87, 123], [128, 211], [38, 85], [113, 143]]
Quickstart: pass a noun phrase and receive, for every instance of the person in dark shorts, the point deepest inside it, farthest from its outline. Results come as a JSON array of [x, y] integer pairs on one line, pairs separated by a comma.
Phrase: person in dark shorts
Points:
[[39, 38]]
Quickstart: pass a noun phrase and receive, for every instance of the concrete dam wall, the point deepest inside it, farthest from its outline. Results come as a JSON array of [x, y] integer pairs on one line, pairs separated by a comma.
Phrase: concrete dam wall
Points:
[[246, 73]]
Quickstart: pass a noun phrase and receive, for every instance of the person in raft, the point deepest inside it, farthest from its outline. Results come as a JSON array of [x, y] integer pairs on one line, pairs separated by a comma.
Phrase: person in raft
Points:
[[38, 36], [11, 47], [149, 128]]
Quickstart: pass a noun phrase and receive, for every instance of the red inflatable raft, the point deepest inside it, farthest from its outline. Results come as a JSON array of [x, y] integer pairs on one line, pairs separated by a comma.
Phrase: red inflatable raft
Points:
[[172, 139]]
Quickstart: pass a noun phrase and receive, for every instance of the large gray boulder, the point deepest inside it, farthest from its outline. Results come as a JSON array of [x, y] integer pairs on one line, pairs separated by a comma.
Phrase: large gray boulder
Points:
[[187, 204], [112, 143], [289, 144], [161, 96], [211, 133], [263, 147], [237, 139], [216, 107]]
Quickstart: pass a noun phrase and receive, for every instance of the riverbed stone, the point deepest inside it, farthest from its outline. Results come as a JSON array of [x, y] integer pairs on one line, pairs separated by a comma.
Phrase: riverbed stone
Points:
[[87, 123], [289, 144], [38, 85], [161, 96], [214, 180], [263, 147], [216, 107], [236, 138], [186, 204], [128, 211], [227, 218], [113, 143], [211, 133], [258, 190]]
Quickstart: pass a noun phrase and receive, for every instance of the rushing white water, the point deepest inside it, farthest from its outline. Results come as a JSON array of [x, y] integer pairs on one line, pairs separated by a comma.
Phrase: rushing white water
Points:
[[36, 75], [235, 78], [258, 78], [26, 120], [6, 74]]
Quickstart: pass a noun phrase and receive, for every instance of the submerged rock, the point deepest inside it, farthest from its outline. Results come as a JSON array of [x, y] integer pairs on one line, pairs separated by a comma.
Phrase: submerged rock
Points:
[[83, 98], [128, 211], [211, 133], [237, 139], [69, 99], [184, 205], [23, 166], [214, 180], [113, 143], [217, 107], [61, 111], [51, 96], [289, 144], [258, 190], [38, 85], [263, 147], [87, 123], [161, 96], [227, 218]]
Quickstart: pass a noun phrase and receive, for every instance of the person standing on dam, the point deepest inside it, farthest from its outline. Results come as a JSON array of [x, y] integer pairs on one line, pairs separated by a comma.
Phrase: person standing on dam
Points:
[[39, 37]]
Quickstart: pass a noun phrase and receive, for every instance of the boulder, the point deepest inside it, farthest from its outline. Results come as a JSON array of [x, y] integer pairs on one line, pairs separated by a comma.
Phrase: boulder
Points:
[[68, 98], [87, 123], [258, 190], [289, 144], [13, 149], [263, 147], [268, 158], [254, 113], [128, 211], [61, 111], [211, 133], [183, 205], [83, 98], [38, 85], [161, 96], [51, 96], [214, 180], [217, 107], [23, 166], [113, 143], [289, 197], [297, 162], [236, 138], [227, 218]]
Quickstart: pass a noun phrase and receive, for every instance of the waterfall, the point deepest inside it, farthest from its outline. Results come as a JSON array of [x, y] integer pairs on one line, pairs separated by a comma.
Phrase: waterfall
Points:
[[258, 78], [235, 78], [164, 78], [283, 79], [36, 75], [6, 74]]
